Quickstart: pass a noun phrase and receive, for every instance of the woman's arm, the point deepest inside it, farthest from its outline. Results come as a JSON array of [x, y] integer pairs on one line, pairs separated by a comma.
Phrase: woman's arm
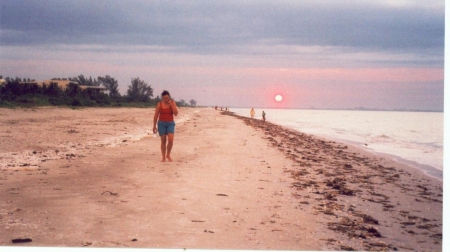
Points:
[[174, 107], [155, 118]]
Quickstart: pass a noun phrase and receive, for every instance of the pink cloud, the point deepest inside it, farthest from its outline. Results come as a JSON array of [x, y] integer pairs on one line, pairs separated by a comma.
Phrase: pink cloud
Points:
[[353, 74]]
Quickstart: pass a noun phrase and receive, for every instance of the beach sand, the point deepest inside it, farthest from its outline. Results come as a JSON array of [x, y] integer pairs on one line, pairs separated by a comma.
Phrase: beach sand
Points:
[[93, 178]]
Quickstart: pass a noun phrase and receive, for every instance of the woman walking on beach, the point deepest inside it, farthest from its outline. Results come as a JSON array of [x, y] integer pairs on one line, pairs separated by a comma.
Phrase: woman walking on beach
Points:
[[252, 113], [165, 111]]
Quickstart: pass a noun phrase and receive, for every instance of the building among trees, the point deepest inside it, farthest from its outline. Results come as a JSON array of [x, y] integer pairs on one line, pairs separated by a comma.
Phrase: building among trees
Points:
[[64, 83]]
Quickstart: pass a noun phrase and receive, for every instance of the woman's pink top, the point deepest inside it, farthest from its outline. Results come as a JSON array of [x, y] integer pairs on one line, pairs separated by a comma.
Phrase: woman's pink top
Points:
[[165, 114]]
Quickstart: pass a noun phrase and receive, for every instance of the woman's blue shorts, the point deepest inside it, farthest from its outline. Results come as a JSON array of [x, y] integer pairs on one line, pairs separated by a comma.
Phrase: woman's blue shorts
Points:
[[165, 128]]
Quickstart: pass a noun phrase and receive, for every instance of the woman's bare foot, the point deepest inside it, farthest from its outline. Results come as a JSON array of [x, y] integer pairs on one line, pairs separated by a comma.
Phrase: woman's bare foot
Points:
[[168, 158], [163, 160]]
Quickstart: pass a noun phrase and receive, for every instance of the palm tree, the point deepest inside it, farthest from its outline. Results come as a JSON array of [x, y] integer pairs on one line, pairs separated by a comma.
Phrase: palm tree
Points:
[[110, 84], [139, 91], [85, 81]]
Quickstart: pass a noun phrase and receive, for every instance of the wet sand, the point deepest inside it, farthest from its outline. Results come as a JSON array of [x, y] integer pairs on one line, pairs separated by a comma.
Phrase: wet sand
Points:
[[93, 178]]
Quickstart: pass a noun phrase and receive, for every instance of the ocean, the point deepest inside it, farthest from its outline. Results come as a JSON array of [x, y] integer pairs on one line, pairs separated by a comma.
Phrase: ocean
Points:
[[414, 138]]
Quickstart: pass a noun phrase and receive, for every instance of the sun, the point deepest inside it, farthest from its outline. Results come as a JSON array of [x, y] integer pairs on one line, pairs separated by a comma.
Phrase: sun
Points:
[[278, 98]]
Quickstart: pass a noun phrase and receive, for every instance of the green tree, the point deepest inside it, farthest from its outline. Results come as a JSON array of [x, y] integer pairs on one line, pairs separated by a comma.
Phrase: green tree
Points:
[[193, 102], [52, 89], [85, 81], [73, 90], [139, 91], [157, 99], [182, 103], [111, 85]]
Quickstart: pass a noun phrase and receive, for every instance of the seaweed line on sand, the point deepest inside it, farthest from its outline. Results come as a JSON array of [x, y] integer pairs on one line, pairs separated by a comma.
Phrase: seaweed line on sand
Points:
[[329, 174]]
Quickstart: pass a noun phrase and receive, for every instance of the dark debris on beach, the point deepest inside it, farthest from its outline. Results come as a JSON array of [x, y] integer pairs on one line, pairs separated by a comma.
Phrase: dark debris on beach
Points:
[[327, 173]]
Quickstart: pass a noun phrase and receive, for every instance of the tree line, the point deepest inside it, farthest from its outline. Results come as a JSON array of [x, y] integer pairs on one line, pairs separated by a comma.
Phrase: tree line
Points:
[[22, 91]]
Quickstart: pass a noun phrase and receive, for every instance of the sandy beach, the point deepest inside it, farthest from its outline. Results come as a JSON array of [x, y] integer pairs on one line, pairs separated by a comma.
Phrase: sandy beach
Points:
[[93, 178]]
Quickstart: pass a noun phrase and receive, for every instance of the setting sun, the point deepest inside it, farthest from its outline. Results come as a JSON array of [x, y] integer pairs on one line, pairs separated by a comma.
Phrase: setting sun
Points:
[[278, 98]]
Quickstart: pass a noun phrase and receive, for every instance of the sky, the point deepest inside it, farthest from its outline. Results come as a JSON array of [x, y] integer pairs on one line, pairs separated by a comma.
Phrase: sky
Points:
[[385, 54]]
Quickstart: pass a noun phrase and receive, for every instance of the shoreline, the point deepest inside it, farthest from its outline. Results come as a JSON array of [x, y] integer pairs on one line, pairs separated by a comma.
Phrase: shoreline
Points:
[[383, 179], [235, 183], [429, 170]]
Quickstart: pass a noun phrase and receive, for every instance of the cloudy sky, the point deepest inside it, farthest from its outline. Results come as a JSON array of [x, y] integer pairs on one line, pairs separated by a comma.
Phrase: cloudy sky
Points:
[[382, 54]]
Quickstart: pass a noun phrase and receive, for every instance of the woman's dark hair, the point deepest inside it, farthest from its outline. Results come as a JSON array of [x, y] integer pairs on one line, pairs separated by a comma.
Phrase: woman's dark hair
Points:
[[165, 92]]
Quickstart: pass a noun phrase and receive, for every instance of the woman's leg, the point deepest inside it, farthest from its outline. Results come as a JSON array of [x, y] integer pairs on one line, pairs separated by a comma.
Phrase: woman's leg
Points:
[[169, 145], [163, 148]]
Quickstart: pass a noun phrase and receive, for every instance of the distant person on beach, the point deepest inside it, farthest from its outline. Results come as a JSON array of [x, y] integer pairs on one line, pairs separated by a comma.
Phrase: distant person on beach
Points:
[[264, 116], [165, 111], [252, 113]]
